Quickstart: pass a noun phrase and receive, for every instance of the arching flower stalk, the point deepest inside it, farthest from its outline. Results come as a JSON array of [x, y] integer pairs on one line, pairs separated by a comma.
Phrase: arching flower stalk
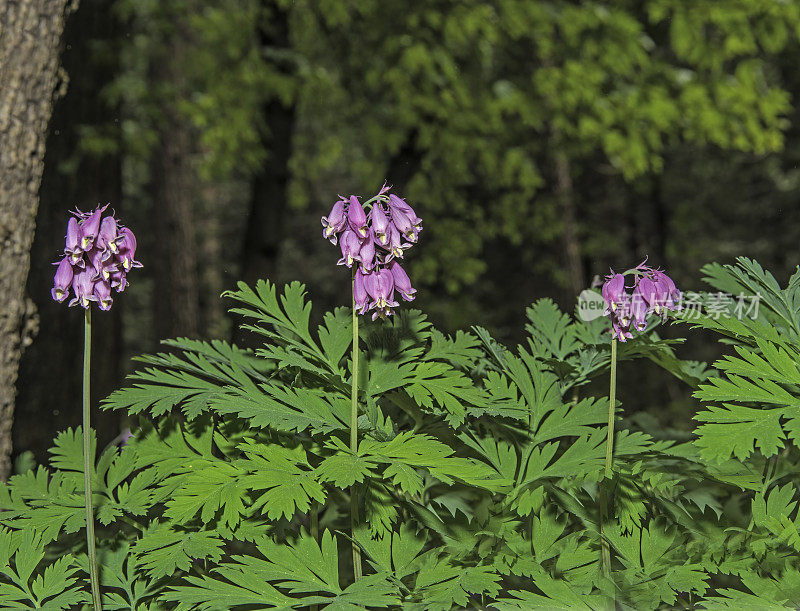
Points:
[[98, 254], [372, 237]]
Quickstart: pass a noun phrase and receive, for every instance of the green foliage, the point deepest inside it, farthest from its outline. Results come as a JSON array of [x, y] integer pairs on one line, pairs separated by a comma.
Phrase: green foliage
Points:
[[196, 60], [27, 585], [477, 471], [754, 401], [304, 567]]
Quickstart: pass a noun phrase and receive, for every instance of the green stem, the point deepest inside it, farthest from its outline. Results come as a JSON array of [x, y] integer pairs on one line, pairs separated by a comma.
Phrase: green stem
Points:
[[354, 444], [315, 535], [774, 460], [372, 199], [88, 462], [315, 521], [612, 398]]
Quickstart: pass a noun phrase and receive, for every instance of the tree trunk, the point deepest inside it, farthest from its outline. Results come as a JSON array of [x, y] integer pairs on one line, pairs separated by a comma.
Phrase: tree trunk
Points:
[[30, 31], [660, 220], [176, 291], [213, 317], [268, 200], [570, 240]]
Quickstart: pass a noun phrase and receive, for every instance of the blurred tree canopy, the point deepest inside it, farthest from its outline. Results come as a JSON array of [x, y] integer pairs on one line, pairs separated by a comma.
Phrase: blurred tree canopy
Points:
[[490, 115], [541, 141]]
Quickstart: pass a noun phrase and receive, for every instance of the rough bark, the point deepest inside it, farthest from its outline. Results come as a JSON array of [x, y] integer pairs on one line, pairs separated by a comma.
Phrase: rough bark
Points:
[[30, 31], [177, 295], [49, 385]]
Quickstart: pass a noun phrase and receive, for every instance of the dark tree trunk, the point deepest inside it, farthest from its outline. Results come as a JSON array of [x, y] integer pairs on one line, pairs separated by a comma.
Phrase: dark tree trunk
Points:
[[266, 219], [176, 291], [49, 388], [660, 219], [268, 199], [213, 317], [29, 49], [565, 194], [570, 239]]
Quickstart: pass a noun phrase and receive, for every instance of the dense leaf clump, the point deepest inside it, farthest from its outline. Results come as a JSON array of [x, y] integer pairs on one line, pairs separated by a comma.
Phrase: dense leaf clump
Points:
[[477, 473]]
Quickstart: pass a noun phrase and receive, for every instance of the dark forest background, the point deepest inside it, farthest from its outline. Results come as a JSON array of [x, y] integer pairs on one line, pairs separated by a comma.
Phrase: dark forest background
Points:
[[541, 142]]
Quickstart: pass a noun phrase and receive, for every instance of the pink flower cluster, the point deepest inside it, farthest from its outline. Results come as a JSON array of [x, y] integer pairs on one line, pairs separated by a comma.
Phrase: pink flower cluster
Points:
[[98, 254], [653, 291], [374, 242]]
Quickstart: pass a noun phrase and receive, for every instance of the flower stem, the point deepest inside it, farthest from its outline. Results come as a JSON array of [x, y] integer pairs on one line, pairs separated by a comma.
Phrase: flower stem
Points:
[[354, 443], [88, 462], [374, 199], [612, 397], [315, 535]]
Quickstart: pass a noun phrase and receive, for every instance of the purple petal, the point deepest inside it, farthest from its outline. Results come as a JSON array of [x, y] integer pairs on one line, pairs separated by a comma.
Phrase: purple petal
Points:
[[107, 236], [401, 281], [73, 236], [356, 217], [360, 295], [89, 227]]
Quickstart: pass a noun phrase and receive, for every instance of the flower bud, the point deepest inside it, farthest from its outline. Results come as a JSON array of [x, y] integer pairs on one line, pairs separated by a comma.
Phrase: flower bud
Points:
[[396, 244], [102, 266], [351, 247], [335, 222], [356, 217], [62, 280], [89, 228], [102, 294], [638, 311], [648, 291], [367, 254], [127, 249], [667, 295], [380, 286], [119, 280], [613, 291], [83, 287], [404, 218], [360, 295], [107, 237], [380, 225], [401, 281], [72, 247]]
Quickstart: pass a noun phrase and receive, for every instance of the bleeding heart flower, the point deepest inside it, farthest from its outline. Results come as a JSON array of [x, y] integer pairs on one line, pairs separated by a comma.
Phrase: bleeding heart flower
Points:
[[62, 280], [99, 252], [375, 239]]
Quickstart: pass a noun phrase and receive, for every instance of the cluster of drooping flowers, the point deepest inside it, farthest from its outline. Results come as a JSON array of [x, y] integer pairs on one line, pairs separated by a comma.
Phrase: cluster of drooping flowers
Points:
[[98, 255], [653, 291], [374, 242]]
